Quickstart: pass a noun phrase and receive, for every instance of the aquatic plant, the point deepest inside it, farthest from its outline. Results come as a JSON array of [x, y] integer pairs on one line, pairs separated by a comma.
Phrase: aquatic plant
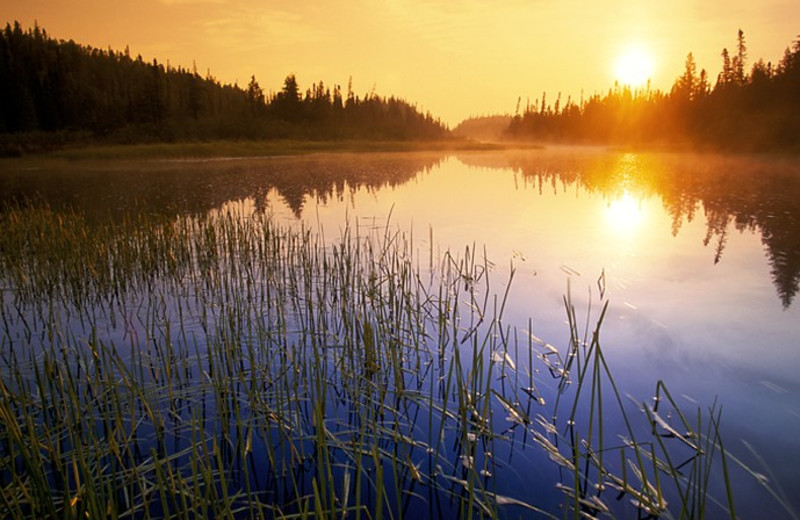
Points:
[[226, 366]]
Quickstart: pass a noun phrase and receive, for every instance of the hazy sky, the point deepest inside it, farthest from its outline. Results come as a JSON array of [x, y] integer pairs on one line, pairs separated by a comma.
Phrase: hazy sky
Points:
[[455, 58]]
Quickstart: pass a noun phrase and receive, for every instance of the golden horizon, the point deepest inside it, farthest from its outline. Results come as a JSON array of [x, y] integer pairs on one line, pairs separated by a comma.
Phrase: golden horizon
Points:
[[453, 61]]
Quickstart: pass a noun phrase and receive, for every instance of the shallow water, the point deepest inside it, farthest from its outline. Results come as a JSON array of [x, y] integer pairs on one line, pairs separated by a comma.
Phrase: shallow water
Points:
[[699, 255]]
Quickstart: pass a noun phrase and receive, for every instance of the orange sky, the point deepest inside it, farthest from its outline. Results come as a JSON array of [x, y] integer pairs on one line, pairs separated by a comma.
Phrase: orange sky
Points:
[[455, 58]]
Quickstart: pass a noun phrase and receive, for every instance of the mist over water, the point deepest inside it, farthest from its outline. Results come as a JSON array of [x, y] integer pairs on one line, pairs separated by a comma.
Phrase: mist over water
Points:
[[698, 255]]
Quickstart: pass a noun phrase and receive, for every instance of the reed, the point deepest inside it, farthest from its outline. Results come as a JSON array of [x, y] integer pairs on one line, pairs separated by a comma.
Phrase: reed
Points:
[[224, 366]]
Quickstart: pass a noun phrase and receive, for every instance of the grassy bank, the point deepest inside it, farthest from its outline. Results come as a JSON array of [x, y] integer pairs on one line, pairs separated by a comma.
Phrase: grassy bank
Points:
[[249, 148], [230, 367]]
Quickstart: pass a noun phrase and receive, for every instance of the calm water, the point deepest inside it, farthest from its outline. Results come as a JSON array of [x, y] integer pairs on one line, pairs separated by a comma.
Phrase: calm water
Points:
[[699, 255]]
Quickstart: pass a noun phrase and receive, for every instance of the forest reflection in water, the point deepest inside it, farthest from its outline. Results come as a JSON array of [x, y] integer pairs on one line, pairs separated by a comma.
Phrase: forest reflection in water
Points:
[[678, 240], [730, 193], [196, 186]]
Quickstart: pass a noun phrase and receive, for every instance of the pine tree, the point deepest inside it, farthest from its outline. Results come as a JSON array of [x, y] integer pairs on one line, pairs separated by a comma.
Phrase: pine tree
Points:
[[726, 76], [687, 85], [739, 60], [255, 95]]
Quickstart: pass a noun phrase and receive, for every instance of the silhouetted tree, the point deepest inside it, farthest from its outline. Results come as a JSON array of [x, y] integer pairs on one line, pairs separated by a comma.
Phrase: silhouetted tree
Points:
[[255, 95], [287, 102], [687, 86], [703, 86], [727, 74], [65, 89], [744, 112], [739, 60]]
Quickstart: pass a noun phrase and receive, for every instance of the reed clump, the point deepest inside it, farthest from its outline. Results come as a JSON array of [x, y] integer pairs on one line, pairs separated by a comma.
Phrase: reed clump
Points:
[[225, 366]]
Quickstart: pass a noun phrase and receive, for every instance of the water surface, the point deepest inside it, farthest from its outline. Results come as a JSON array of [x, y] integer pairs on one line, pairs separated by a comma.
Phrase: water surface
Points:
[[699, 255]]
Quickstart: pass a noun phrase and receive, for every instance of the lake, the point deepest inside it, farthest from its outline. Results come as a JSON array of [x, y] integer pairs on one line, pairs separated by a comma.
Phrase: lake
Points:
[[696, 256]]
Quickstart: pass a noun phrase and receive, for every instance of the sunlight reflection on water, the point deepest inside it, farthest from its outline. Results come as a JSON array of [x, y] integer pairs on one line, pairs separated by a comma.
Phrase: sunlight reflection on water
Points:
[[699, 254], [681, 242], [626, 216]]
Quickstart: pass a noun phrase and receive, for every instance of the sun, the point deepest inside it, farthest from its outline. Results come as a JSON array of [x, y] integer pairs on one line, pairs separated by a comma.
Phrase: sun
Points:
[[634, 67]]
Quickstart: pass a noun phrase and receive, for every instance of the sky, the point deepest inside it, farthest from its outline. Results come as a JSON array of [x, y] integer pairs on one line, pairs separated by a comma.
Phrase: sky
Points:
[[454, 58]]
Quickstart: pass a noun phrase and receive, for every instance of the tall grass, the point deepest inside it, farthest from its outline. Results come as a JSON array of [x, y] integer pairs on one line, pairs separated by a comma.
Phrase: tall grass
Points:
[[228, 367]]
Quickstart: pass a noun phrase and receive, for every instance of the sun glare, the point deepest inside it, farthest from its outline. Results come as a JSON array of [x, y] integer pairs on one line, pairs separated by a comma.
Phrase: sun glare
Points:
[[634, 67], [625, 215]]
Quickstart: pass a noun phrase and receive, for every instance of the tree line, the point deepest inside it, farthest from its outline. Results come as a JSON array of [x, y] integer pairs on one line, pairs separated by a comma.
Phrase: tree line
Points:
[[55, 90], [755, 110]]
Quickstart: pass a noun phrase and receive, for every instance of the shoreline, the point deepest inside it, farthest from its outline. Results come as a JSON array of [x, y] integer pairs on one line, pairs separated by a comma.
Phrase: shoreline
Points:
[[222, 149], [246, 148]]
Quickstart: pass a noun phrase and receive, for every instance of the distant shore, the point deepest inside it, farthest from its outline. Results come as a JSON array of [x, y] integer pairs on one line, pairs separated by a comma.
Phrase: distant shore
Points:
[[253, 148], [218, 149]]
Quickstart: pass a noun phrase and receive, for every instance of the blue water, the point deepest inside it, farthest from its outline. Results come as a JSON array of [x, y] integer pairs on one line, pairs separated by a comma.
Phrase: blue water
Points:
[[697, 256]]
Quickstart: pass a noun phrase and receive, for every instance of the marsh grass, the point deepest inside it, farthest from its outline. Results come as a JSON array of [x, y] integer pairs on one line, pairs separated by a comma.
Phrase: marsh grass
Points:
[[225, 366]]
